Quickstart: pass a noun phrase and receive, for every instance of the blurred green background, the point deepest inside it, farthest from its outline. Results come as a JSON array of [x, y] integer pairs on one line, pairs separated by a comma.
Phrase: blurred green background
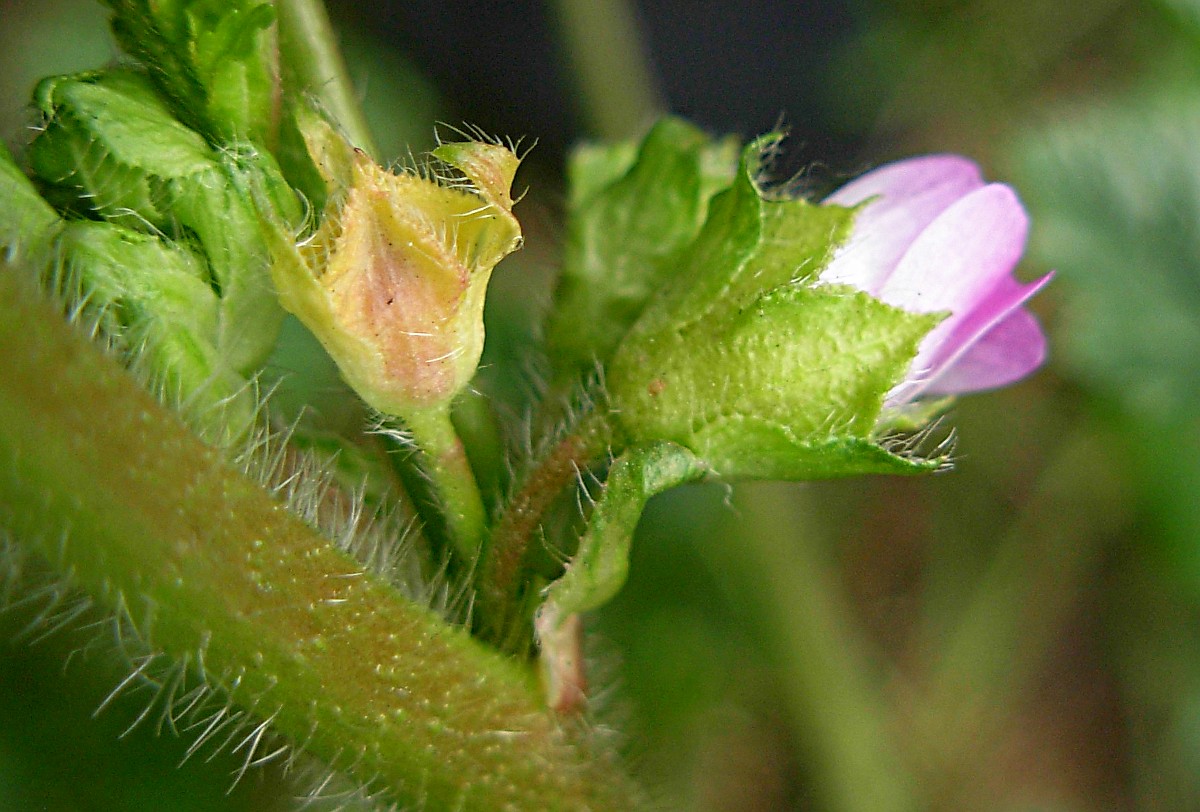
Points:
[[1025, 629]]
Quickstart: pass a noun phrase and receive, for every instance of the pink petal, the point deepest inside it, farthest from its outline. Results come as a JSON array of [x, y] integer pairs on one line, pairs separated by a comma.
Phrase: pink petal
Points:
[[1010, 350], [941, 350], [908, 196], [960, 258], [962, 263]]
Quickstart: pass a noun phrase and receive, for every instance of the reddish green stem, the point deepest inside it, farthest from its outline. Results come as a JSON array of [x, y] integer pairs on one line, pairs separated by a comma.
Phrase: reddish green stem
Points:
[[500, 581]]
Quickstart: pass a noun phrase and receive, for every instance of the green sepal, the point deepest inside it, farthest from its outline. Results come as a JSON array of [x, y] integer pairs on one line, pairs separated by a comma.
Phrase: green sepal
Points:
[[750, 244], [215, 60], [153, 299], [751, 364], [593, 166], [790, 387], [325, 150], [632, 211], [912, 417], [110, 143], [26, 220]]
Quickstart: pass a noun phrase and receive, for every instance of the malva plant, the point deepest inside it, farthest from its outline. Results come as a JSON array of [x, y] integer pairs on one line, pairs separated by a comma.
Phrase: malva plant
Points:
[[707, 325]]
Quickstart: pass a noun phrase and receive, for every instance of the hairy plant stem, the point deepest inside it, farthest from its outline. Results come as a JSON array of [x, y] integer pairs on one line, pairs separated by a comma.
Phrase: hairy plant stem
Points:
[[499, 585], [311, 54], [117, 494]]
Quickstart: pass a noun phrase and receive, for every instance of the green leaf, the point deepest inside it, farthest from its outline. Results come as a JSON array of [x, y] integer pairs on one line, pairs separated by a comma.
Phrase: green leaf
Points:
[[599, 567], [749, 244], [745, 361], [215, 60], [1116, 196], [630, 216]]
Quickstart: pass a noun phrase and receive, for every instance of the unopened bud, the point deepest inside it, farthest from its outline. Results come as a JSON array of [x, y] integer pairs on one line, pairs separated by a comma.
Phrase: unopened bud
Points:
[[393, 281]]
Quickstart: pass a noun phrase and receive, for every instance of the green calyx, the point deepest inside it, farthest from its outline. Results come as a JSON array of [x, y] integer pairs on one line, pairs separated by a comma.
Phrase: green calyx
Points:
[[745, 359], [215, 61], [161, 238], [634, 208]]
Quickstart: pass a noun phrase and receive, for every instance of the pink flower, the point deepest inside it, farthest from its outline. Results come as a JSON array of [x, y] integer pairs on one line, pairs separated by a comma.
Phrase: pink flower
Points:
[[933, 237]]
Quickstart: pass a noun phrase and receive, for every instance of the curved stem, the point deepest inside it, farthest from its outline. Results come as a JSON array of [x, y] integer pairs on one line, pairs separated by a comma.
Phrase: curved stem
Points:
[[311, 53], [209, 569], [499, 583]]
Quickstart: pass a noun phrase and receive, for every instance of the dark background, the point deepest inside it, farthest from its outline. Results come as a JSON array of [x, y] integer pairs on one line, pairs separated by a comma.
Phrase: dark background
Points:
[[729, 67]]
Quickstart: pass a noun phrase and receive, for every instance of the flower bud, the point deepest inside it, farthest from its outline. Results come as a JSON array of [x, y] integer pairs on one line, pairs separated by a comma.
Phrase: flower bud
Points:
[[793, 336], [393, 281], [111, 144]]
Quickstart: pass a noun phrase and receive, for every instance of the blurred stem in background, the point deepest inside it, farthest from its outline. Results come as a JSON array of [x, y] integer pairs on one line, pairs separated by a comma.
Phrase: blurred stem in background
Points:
[[987, 662], [776, 555], [311, 53], [617, 93], [858, 741]]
